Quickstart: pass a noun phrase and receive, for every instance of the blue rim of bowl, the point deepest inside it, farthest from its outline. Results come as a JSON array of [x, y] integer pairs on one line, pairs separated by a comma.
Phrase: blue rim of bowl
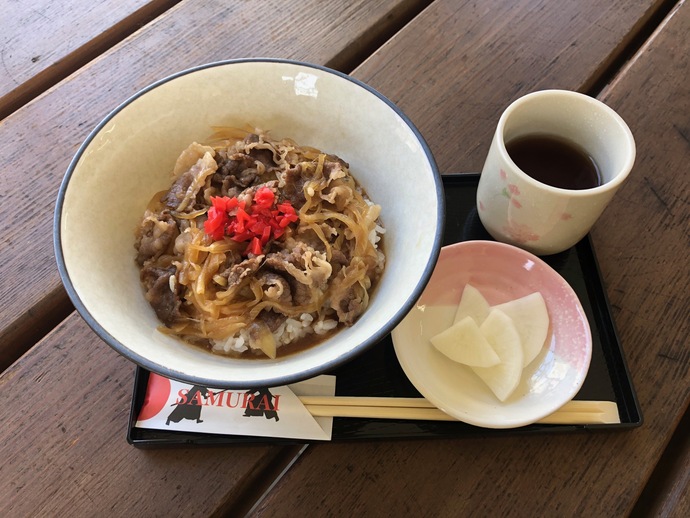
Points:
[[273, 381]]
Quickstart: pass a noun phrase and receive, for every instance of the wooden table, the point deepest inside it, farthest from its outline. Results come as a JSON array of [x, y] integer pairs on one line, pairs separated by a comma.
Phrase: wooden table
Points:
[[452, 66]]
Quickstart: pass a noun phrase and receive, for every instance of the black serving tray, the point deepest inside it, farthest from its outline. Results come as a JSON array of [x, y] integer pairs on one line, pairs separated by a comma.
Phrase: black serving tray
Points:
[[377, 372]]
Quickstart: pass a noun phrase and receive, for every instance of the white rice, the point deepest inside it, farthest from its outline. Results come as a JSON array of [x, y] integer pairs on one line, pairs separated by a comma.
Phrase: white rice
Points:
[[289, 331]]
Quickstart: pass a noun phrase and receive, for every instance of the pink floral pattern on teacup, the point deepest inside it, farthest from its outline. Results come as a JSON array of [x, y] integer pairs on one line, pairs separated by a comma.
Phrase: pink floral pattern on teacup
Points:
[[519, 232], [510, 191]]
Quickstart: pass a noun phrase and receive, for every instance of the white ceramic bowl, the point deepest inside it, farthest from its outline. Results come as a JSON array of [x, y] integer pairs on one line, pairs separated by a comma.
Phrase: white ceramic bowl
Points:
[[129, 156]]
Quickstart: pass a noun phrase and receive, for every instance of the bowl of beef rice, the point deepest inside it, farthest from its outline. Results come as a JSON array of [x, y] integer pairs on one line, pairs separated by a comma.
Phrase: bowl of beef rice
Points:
[[249, 223]]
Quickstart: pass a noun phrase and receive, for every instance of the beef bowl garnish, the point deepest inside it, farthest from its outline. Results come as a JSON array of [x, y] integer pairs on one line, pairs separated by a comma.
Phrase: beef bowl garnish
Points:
[[249, 223]]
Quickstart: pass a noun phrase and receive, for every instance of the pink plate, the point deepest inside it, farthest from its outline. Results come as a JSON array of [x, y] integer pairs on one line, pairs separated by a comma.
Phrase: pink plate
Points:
[[501, 273]]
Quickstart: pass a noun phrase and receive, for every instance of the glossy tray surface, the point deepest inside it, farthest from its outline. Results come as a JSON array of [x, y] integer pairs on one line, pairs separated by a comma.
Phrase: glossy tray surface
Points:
[[378, 373]]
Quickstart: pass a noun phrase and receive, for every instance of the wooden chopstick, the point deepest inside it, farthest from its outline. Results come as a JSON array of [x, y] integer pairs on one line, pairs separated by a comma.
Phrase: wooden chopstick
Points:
[[406, 402], [573, 412]]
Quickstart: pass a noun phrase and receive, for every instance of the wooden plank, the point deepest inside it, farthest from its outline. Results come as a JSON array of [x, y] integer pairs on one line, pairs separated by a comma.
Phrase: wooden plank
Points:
[[456, 96], [64, 450], [38, 141], [668, 491], [42, 43]]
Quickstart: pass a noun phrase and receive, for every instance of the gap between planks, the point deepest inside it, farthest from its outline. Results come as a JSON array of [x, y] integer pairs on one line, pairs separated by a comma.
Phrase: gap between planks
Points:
[[79, 57], [354, 55], [629, 48], [259, 484], [671, 475]]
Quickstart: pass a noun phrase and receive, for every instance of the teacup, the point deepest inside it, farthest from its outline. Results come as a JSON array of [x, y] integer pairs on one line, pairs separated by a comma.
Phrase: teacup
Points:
[[544, 219]]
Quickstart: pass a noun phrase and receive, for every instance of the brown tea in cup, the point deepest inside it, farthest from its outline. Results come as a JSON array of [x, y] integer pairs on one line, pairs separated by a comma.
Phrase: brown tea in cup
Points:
[[554, 161]]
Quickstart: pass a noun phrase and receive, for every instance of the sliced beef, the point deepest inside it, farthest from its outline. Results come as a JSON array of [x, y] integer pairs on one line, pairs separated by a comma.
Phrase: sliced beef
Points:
[[311, 239], [179, 188], [252, 138], [294, 186], [154, 236], [238, 166], [235, 173], [183, 193], [272, 319], [165, 302], [300, 292], [278, 259], [338, 257], [275, 286], [265, 156], [334, 167], [236, 273], [338, 261], [348, 307]]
